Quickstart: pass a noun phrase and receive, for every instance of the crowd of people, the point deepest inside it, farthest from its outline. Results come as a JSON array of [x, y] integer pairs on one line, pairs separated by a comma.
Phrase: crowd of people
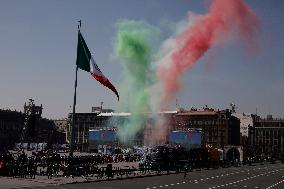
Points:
[[159, 158], [51, 163]]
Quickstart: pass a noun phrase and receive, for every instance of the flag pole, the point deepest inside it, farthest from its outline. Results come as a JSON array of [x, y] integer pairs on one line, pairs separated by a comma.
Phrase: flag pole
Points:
[[72, 139]]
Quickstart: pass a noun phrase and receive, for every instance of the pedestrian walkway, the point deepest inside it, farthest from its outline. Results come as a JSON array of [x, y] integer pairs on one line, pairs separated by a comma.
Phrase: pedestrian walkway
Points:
[[10, 182]]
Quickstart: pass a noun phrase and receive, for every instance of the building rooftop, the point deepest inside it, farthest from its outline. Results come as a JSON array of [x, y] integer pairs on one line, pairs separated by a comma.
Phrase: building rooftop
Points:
[[115, 114], [190, 113], [169, 112], [129, 114]]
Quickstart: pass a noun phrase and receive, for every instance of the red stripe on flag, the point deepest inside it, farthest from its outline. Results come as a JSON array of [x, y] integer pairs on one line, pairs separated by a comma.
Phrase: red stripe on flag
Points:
[[103, 80]]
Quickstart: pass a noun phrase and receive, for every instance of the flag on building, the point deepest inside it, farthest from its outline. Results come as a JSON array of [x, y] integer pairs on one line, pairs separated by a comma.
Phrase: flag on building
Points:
[[86, 62]]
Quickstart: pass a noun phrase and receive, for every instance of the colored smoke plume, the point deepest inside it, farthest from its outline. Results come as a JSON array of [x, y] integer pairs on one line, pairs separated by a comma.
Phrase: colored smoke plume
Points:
[[225, 19], [133, 42], [141, 91]]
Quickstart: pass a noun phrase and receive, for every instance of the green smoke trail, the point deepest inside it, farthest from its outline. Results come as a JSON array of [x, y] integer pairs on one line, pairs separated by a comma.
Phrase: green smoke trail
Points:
[[133, 47]]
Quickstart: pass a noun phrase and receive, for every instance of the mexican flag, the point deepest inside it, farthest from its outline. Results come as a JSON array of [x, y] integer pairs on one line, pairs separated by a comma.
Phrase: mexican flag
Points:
[[85, 61]]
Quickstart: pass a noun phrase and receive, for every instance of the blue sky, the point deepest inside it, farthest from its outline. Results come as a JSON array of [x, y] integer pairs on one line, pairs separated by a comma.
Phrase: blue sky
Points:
[[38, 52]]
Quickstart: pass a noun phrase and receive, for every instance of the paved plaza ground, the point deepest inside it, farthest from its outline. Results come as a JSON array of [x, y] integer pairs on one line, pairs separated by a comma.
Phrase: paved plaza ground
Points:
[[265, 176], [10, 182]]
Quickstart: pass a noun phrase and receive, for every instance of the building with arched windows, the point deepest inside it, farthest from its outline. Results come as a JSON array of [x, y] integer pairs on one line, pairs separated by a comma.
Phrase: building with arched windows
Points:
[[266, 136]]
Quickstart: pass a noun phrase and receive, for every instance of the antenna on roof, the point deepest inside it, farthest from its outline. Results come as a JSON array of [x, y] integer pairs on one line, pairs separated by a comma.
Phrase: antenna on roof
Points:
[[177, 106], [102, 106], [233, 107]]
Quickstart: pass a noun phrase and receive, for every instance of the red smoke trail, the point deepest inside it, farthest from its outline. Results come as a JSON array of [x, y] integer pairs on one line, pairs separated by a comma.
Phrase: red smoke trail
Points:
[[225, 18]]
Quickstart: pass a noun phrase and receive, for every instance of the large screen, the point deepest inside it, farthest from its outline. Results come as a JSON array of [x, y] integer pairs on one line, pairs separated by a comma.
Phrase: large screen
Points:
[[190, 139], [102, 135]]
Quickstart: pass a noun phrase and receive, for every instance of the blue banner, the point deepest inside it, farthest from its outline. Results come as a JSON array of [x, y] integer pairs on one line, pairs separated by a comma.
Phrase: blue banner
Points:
[[102, 135], [186, 138]]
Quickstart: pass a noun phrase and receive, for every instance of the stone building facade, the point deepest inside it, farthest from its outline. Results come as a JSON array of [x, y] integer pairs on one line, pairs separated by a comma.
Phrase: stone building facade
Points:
[[246, 121], [37, 129], [46, 132], [219, 128], [61, 126], [83, 121], [11, 125], [266, 136]]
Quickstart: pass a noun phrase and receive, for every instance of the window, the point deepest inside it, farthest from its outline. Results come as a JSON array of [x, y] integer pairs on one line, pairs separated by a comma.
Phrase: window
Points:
[[275, 134], [275, 142]]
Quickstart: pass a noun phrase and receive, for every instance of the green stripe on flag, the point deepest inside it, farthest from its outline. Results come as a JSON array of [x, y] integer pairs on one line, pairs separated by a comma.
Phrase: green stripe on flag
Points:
[[83, 54]]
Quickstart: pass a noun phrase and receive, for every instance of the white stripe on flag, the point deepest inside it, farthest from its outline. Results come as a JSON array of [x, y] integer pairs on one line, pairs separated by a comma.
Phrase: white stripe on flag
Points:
[[94, 68]]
